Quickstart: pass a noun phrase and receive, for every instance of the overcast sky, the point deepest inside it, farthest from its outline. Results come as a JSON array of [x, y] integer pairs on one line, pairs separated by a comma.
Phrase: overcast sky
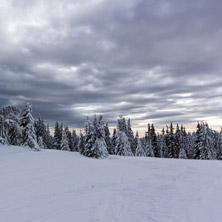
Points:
[[153, 61]]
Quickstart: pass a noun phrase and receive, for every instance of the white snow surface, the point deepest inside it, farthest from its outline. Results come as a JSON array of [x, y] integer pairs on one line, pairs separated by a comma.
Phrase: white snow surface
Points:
[[51, 186]]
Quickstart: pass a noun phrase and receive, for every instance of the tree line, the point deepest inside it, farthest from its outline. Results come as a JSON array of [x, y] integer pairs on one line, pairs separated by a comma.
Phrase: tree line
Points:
[[19, 128]]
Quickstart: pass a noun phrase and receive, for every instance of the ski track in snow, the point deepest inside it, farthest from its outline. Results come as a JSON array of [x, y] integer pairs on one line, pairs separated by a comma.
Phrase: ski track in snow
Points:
[[62, 186]]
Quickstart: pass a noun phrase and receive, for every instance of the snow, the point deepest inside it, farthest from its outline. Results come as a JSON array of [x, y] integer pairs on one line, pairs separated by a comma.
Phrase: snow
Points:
[[53, 185]]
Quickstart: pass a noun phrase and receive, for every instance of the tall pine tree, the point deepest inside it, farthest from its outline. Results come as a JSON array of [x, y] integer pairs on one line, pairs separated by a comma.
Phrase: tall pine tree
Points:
[[28, 130]]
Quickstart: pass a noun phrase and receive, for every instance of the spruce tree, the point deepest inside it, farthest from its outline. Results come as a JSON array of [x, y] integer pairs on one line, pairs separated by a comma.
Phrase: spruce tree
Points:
[[41, 143], [15, 134], [114, 142], [197, 142], [219, 146], [57, 136], [107, 139], [28, 130], [3, 130], [131, 138], [89, 139], [95, 145], [154, 142], [162, 145], [69, 136], [148, 143], [65, 140], [81, 144], [190, 144], [139, 149], [10, 129], [177, 145], [205, 145], [122, 124], [181, 143], [167, 141], [49, 139], [100, 143], [41, 131], [170, 142], [74, 138], [122, 147]]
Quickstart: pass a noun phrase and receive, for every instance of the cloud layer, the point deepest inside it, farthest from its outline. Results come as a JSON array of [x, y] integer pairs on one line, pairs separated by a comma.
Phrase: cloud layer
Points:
[[153, 61]]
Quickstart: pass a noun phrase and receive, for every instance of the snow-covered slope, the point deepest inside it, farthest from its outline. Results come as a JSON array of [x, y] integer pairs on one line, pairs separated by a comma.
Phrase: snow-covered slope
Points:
[[63, 186]]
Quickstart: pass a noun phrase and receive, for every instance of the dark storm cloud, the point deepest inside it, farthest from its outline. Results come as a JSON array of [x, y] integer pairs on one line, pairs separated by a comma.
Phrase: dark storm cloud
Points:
[[157, 61]]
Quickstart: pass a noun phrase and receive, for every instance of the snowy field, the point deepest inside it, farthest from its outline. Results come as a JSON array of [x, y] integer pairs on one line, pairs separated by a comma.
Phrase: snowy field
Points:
[[51, 186]]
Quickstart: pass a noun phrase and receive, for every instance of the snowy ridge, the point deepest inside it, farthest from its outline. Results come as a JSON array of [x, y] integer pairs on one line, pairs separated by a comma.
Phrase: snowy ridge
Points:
[[59, 186]]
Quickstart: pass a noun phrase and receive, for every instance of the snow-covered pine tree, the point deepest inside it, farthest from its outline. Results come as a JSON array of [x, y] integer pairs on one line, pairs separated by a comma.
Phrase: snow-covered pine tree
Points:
[[95, 145], [28, 130], [49, 140], [89, 138], [10, 129], [100, 144], [114, 142], [44, 132], [197, 142], [162, 145], [122, 147], [69, 136], [177, 141], [74, 141], [81, 144], [167, 141], [122, 124], [154, 142], [190, 144], [65, 140], [205, 145], [3, 133], [139, 149], [182, 154], [158, 139], [15, 134], [131, 138], [143, 143], [219, 145], [57, 137], [15, 131], [212, 152], [181, 143], [214, 144], [40, 129], [107, 139], [41, 143], [148, 143], [170, 141]]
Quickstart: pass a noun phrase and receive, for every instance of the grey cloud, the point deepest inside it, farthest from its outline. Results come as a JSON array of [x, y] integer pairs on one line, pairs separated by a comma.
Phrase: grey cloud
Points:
[[152, 60]]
